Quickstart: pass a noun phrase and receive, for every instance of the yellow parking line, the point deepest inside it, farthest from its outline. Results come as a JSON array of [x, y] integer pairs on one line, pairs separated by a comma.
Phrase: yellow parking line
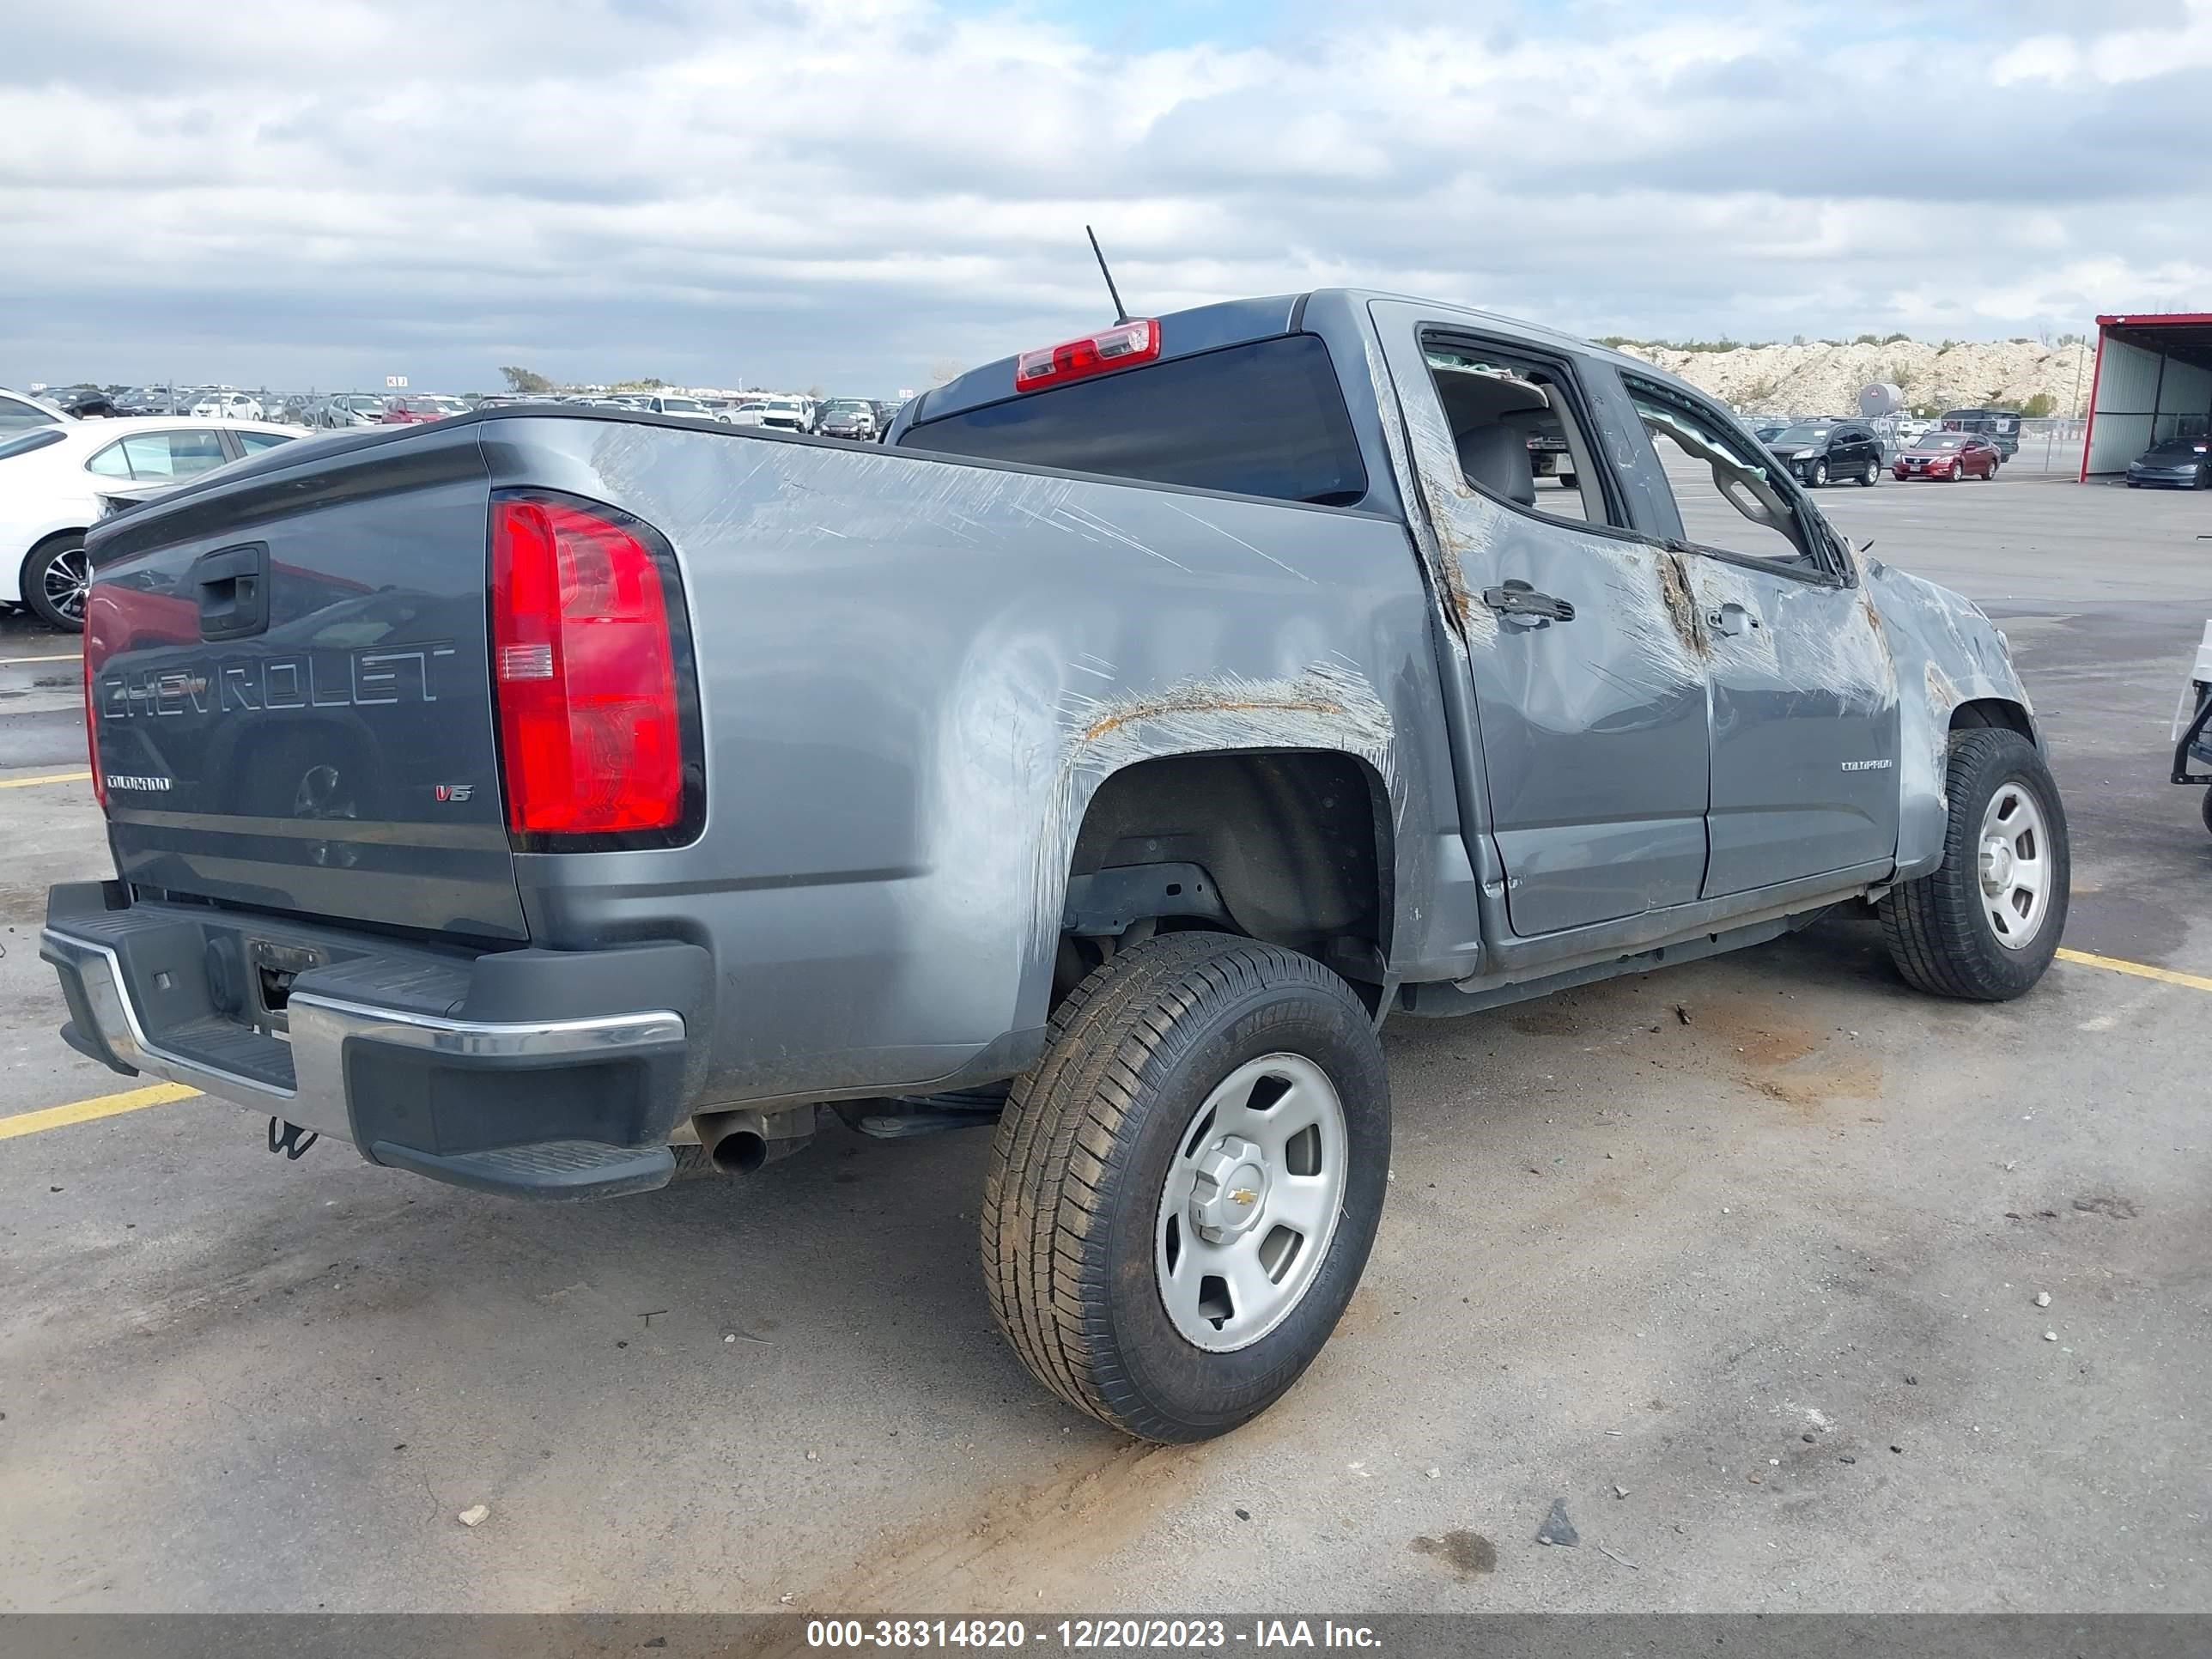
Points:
[[2139, 969], [16, 662], [50, 777], [85, 1111]]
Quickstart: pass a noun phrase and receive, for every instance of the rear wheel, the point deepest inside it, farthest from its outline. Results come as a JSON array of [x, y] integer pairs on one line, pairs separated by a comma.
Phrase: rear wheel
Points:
[[2204, 808], [56, 579], [1181, 1195], [1985, 925], [1873, 471]]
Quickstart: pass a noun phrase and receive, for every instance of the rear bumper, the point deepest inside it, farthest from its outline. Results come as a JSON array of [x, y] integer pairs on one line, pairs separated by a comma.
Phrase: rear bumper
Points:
[[544, 1073]]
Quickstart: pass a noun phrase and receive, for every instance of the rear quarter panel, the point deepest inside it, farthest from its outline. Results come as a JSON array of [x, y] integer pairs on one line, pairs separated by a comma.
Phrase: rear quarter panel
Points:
[[915, 674]]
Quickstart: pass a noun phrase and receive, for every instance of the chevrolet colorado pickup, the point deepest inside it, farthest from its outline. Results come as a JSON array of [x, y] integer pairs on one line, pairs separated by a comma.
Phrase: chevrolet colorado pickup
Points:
[[540, 799]]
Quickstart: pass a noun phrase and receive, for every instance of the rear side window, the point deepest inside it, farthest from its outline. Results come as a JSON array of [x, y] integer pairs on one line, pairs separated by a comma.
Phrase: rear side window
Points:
[[1266, 418]]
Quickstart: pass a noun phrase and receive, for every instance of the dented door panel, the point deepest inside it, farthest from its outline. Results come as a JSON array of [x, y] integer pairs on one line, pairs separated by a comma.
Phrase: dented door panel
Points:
[[1592, 730], [1804, 727]]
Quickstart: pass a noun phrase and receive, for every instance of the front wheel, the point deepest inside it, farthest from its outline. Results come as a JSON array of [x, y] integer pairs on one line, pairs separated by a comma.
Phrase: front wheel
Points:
[[1820, 474], [56, 579], [1182, 1195], [1985, 925]]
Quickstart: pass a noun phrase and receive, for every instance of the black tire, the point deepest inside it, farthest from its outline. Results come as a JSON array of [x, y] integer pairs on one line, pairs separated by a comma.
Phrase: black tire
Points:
[[1819, 475], [1935, 928], [1081, 1157], [2205, 809], [1867, 478], [49, 590]]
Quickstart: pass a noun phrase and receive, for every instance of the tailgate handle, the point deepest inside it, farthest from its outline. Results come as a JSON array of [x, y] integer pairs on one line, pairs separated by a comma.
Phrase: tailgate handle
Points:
[[232, 586]]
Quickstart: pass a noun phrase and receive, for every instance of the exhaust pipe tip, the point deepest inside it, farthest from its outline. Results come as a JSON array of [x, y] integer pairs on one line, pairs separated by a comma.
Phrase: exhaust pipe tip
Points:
[[739, 1153], [739, 1143]]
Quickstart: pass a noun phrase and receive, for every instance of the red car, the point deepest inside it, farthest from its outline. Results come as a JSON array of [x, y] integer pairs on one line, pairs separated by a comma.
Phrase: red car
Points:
[[1949, 455], [416, 411]]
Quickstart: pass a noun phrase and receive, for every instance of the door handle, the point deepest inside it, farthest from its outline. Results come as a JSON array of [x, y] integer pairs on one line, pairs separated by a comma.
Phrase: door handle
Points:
[[1731, 618], [232, 588], [1523, 606]]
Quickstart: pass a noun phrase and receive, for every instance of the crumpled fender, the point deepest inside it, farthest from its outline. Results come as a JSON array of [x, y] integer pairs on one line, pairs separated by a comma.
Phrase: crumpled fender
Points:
[[1946, 652]]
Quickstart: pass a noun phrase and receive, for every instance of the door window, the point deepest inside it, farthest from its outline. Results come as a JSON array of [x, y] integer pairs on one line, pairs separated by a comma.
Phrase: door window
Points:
[[17, 416], [254, 442], [1730, 494], [161, 457], [1516, 432]]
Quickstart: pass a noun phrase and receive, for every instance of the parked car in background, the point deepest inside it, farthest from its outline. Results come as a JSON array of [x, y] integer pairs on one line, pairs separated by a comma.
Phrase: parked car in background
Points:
[[2178, 463], [1766, 428], [51, 478], [784, 413], [153, 400], [1947, 455], [664, 404], [847, 417], [352, 408], [227, 403], [1828, 452], [2000, 426], [416, 408], [886, 412], [19, 411], [85, 402]]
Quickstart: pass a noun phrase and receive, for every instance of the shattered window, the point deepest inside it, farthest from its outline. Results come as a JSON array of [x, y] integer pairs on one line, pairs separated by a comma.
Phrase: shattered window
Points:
[[1514, 432], [1723, 486]]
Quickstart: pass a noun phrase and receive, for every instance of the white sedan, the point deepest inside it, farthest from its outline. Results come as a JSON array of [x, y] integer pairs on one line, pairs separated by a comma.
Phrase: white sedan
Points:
[[227, 405], [51, 477]]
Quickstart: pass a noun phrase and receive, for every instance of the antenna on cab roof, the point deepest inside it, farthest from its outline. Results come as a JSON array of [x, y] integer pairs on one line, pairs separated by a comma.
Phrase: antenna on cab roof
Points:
[[1121, 311]]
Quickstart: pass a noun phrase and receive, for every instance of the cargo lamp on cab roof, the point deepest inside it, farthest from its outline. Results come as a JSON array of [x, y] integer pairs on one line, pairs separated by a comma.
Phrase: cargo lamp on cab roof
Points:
[[1122, 346]]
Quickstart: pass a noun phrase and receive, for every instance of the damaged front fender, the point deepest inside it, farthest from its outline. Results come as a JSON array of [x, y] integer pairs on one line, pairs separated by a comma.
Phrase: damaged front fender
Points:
[[1948, 653]]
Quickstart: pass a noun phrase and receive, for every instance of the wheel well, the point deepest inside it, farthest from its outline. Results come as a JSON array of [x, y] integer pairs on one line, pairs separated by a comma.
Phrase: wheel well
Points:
[[1298, 844], [1993, 711]]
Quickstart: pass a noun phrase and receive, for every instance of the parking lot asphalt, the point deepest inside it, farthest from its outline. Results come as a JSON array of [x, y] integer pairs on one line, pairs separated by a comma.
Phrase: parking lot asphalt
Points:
[[1739, 1260]]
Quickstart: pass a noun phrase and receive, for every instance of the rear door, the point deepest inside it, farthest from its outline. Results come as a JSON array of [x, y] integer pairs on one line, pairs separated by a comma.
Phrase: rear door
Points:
[[1804, 699], [1589, 687], [290, 695]]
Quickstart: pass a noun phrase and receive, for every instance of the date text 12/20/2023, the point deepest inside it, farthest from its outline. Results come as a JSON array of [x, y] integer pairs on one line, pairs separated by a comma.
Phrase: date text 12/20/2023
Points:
[[1086, 1635]]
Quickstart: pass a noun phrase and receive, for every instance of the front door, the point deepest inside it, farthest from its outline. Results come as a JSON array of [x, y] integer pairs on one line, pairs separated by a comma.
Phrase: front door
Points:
[[1590, 687], [1804, 697]]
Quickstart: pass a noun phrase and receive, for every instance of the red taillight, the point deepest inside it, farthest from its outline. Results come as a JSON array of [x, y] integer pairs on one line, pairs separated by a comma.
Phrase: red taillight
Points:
[[1118, 347], [583, 671]]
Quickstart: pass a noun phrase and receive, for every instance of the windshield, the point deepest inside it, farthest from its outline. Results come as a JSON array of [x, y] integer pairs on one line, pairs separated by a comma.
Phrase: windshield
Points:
[[685, 405], [1943, 440], [1801, 435], [846, 406]]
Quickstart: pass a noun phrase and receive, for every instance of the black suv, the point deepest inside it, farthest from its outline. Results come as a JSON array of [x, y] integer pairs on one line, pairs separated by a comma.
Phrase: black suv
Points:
[[1829, 452]]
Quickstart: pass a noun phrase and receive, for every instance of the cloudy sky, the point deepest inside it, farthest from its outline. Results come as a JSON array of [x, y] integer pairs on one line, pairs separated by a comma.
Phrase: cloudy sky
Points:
[[861, 194]]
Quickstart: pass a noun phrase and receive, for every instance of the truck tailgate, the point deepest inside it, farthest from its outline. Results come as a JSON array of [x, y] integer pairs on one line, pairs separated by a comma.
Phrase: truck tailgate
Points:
[[288, 688]]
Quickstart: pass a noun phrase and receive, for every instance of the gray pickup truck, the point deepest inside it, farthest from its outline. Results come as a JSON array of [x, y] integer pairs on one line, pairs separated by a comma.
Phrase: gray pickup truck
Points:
[[544, 799]]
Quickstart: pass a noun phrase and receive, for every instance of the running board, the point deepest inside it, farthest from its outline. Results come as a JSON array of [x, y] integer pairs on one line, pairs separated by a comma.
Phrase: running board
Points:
[[1440, 1000]]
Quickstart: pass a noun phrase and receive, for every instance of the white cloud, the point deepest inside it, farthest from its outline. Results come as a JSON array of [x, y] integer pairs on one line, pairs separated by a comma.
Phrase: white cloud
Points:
[[848, 193]]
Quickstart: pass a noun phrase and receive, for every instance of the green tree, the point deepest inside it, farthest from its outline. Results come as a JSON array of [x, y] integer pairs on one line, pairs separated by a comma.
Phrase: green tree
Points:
[[527, 381], [2041, 406]]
